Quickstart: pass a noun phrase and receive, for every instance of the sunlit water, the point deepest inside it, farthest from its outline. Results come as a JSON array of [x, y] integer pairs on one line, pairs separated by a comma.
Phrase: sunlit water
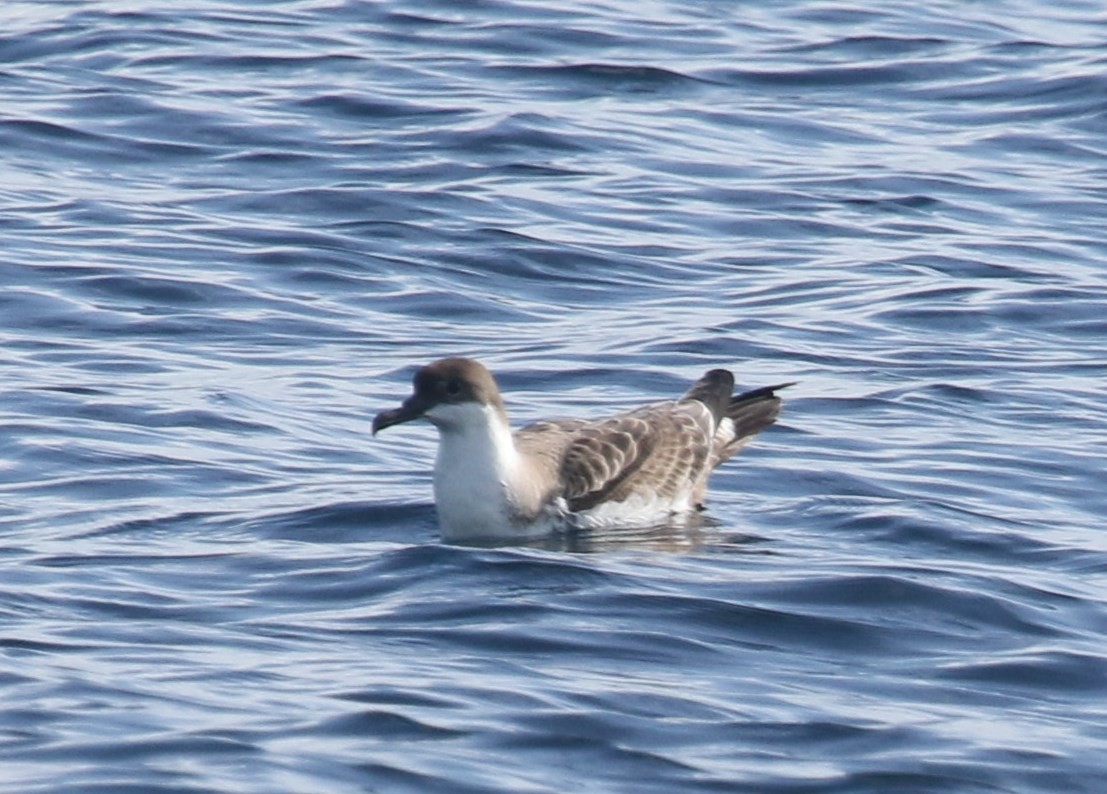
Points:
[[230, 231]]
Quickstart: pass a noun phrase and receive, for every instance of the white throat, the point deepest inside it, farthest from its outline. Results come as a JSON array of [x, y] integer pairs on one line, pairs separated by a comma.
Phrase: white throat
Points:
[[476, 471]]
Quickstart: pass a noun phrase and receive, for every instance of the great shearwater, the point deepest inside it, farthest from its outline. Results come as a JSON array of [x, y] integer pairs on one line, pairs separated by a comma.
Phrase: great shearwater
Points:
[[643, 467]]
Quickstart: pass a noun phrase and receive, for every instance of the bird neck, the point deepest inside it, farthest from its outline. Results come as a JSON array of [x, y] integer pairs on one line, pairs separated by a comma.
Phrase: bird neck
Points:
[[477, 472]]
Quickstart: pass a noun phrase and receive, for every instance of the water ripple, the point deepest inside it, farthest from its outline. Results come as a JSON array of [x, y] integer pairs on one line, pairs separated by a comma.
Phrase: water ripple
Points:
[[230, 235]]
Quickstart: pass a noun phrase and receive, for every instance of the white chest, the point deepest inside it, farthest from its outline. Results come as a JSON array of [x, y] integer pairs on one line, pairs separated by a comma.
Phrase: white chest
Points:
[[474, 475], [470, 494]]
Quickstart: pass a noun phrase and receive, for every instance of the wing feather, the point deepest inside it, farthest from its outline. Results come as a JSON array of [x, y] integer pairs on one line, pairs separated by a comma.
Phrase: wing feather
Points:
[[657, 450], [664, 450]]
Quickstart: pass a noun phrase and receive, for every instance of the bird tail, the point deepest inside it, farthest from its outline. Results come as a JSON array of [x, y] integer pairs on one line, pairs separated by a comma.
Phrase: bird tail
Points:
[[750, 412]]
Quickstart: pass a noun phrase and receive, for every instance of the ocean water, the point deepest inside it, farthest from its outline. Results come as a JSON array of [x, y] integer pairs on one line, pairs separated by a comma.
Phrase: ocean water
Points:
[[230, 231]]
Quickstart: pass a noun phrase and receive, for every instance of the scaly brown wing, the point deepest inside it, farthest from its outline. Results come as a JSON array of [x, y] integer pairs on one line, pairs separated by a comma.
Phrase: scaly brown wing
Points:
[[659, 449]]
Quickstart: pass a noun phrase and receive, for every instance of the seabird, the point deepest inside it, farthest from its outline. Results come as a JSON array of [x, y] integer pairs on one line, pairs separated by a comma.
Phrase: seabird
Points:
[[643, 467]]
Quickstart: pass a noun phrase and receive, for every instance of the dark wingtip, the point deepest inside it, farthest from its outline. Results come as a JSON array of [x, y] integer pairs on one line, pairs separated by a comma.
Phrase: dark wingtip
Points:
[[764, 391], [713, 390], [754, 410]]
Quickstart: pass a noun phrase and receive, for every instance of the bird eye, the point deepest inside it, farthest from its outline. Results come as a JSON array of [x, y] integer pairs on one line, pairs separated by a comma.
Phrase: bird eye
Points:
[[453, 387]]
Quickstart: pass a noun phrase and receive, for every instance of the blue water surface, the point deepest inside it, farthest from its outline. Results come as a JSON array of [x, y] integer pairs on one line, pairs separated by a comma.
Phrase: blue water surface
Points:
[[231, 230]]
